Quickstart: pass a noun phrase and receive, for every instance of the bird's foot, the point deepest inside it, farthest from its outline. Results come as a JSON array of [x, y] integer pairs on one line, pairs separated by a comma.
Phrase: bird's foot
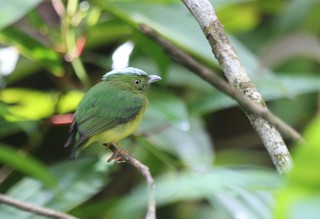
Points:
[[118, 155]]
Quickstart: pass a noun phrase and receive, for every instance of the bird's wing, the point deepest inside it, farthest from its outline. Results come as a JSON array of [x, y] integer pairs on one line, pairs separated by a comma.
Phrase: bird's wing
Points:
[[101, 109], [105, 113]]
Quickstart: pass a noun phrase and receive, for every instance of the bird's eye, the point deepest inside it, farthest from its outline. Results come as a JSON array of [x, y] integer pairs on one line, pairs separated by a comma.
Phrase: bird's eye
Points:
[[137, 82]]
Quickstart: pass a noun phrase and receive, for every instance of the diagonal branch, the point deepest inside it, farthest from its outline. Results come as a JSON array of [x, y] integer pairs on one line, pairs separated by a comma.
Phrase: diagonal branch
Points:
[[205, 15], [34, 209], [208, 75]]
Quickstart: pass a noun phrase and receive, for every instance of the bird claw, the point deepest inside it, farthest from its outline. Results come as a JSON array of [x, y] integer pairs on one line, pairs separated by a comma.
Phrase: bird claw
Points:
[[118, 155]]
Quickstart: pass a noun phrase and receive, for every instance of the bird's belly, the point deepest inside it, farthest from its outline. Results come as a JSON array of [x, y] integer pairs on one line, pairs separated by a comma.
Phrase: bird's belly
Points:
[[118, 132]]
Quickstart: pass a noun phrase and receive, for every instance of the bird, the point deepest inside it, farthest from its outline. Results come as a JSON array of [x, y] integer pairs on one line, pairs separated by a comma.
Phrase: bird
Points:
[[111, 110]]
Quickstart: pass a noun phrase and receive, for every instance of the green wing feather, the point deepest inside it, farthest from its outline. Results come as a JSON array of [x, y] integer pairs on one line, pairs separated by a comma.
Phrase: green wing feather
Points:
[[102, 108]]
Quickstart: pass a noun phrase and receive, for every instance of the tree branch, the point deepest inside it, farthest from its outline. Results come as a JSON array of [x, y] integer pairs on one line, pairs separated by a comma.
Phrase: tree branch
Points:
[[34, 209], [205, 15], [215, 80], [208, 75], [120, 155]]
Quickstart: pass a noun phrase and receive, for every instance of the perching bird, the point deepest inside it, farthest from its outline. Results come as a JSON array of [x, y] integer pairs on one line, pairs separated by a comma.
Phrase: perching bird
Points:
[[111, 110]]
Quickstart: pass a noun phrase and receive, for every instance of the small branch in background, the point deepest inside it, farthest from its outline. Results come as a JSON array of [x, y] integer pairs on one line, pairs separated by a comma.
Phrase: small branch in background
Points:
[[120, 155], [204, 13], [34, 209], [215, 80], [208, 75]]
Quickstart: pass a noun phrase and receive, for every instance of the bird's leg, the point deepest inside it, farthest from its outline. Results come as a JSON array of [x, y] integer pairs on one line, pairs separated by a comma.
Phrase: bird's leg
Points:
[[119, 155]]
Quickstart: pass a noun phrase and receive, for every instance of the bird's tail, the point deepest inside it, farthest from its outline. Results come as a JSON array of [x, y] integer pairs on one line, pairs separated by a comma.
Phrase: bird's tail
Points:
[[72, 133]]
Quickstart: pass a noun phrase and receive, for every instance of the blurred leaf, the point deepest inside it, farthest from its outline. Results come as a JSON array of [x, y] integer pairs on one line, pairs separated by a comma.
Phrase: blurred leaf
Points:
[[35, 19], [292, 83], [27, 165], [10, 128], [303, 105], [3, 109], [241, 157], [12, 11], [243, 203], [33, 49], [24, 67], [295, 44], [155, 52], [182, 77], [165, 106], [224, 3], [171, 20], [301, 194], [211, 102], [79, 180], [232, 22], [28, 104], [300, 9], [107, 31], [191, 186], [69, 101], [168, 117], [193, 146]]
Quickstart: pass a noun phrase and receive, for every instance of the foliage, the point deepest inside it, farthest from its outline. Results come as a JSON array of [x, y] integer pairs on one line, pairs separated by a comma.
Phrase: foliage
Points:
[[301, 195], [66, 46]]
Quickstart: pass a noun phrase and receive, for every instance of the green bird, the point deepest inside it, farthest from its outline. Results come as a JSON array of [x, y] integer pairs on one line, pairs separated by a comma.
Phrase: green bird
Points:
[[111, 110]]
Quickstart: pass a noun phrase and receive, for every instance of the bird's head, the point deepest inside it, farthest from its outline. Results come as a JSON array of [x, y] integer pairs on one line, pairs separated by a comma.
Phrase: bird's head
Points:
[[130, 78]]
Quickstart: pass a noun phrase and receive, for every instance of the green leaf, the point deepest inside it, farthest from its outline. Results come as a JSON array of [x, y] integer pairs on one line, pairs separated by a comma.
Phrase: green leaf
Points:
[[292, 85], [107, 32], [300, 195], [28, 104], [300, 9], [33, 49], [10, 128], [192, 146], [69, 101], [27, 165], [182, 77], [12, 11], [78, 181], [232, 22], [244, 202], [206, 186], [178, 134], [167, 107], [24, 68], [211, 102]]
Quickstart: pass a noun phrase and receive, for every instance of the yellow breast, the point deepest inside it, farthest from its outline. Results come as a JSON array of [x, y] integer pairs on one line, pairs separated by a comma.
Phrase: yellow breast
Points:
[[118, 132]]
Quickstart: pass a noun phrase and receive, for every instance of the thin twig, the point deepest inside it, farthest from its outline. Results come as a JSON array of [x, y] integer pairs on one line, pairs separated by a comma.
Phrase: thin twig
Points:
[[208, 75], [34, 209], [120, 155], [215, 80]]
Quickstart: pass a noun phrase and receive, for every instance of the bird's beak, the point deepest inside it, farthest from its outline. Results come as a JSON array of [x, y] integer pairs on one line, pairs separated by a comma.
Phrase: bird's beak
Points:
[[153, 78]]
